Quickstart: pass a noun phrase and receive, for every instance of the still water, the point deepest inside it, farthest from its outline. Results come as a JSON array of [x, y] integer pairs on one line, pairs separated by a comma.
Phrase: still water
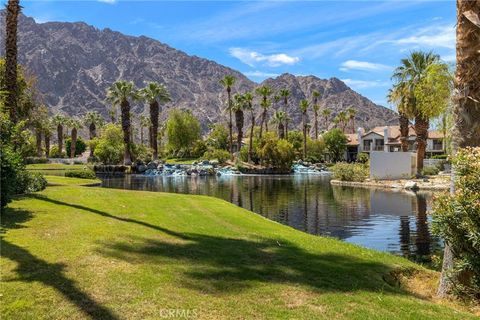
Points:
[[385, 220]]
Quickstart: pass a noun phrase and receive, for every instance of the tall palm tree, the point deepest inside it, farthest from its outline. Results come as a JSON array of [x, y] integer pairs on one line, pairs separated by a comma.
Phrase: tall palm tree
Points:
[[59, 120], [285, 93], [279, 120], [304, 107], [466, 110], [326, 114], [249, 106], [75, 124], [112, 113], [351, 113], [398, 96], [47, 134], [315, 107], [120, 94], [409, 74], [144, 123], [264, 92], [238, 107], [227, 82], [11, 51], [342, 118], [91, 120], [155, 94]]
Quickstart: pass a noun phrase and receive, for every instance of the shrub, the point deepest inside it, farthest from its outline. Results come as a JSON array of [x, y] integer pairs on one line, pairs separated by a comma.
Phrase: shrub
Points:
[[218, 137], [456, 219], [336, 143], [11, 168], [80, 146], [315, 150], [362, 157], [350, 172], [217, 154], [295, 137], [30, 182], [55, 153], [142, 153], [34, 160], [276, 152], [82, 174], [199, 148], [109, 147], [430, 171]]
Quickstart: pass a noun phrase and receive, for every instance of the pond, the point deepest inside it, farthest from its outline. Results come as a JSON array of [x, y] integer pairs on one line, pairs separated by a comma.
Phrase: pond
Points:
[[385, 220]]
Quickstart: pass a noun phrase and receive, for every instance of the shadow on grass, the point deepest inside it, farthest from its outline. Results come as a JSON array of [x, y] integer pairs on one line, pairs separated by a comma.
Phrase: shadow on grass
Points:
[[222, 264], [32, 269]]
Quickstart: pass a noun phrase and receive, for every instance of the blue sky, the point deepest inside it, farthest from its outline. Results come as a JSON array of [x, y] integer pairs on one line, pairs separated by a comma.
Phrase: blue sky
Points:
[[359, 42]]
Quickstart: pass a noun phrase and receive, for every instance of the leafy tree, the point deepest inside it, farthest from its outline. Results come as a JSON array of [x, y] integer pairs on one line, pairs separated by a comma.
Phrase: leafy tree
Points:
[[183, 129], [227, 82], [109, 147], [296, 139], [155, 94], [79, 147], [120, 94], [335, 143], [315, 150], [218, 137], [11, 51], [264, 92], [304, 107], [276, 152]]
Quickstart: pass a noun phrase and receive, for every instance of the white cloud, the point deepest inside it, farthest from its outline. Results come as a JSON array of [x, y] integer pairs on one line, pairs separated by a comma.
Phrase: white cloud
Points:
[[449, 57], [363, 65], [364, 84], [108, 1], [253, 58], [433, 37], [260, 74]]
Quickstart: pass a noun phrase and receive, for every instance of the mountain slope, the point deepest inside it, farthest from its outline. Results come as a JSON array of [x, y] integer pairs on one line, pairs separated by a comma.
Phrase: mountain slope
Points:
[[75, 64]]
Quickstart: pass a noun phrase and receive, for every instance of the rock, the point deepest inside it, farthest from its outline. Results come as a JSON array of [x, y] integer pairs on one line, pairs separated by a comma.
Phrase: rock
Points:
[[152, 165], [141, 168], [411, 185]]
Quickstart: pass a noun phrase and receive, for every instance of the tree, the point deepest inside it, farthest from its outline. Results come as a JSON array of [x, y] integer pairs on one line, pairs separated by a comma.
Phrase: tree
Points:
[[285, 93], [279, 120], [59, 120], [218, 137], [48, 127], [91, 120], [336, 143], [183, 129], [304, 107], [264, 92], [249, 106], [342, 120], [39, 120], [315, 107], [398, 96], [351, 112], [227, 82], [75, 124], [120, 94], [238, 107], [11, 51], [109, 147], [466, 110], [144, 123], [326, 114], [155, 94]]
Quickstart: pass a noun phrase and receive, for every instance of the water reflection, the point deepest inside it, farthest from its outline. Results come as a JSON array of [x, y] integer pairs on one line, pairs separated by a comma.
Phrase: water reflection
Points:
[[389, 221]]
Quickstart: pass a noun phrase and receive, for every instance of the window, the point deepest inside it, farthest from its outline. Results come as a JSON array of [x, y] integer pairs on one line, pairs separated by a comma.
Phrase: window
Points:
[[379, 144], [437, 144], [367, 144]]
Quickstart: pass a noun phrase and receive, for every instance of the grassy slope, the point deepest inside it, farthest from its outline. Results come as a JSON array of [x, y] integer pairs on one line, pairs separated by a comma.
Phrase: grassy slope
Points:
[[61, 181], [72, 251], [55, 169]]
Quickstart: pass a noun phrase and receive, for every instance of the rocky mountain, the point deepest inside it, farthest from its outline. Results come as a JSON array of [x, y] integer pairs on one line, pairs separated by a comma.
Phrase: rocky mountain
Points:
[[75, 64]]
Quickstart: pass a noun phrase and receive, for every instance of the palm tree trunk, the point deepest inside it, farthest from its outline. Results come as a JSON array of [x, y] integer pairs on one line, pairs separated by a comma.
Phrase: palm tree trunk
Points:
[[264, 113], [73, 144], [13, 10], [281, 131], [286, 117], [230, 122], [304, 136], [466, 110], [316, 124], [421, 130], [403, 121], [239, 119], [154, 112], [125, 110], [47, 144], [141, 135], [38, 133], [93, 133], [250, 145], [326, 123], [60, 138]]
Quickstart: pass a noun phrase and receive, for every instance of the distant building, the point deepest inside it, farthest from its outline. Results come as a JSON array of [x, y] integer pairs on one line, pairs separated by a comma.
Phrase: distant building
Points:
[[388, 139]]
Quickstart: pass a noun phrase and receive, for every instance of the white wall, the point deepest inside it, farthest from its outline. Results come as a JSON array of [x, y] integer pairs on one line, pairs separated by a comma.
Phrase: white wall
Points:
[[392, 165]]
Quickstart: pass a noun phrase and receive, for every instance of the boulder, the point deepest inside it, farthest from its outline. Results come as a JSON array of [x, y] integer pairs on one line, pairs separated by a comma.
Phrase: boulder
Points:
[[141, 168], [152, 165], [411, 185]]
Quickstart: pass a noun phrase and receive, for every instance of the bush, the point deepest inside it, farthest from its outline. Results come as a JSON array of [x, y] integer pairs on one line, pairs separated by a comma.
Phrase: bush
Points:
[[142, 153], [34, 160], [80, 146], [336, 143], [82, 174], [350, 172], [362, 157], [199, 148], [55, 153], [430, 171], [30, 182], [217, 154], [456, 218], [315, 150], [276, 152], [109, 146], [11, 169]]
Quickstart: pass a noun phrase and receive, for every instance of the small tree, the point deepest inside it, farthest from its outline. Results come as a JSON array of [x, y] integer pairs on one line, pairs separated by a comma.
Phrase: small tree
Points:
[[183, 129], [109, 146], [336, 143]]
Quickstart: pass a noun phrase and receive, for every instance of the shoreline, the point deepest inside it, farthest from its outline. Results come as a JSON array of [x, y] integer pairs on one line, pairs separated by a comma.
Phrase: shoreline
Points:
[[437, 183]]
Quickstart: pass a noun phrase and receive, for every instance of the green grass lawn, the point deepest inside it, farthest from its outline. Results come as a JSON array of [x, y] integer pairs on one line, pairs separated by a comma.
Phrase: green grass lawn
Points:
[[55, 169], [72, 252], [62, 181]]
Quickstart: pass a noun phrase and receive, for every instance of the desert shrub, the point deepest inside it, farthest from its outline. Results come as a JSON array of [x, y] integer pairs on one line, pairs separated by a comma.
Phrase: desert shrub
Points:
[[109, 147], [336, 144], [82, 174], [217, 154], [430, 171], [80, 146], [315, 150], [34, 160], [362, 157], [55, 153], [350, 172], [456, 218]]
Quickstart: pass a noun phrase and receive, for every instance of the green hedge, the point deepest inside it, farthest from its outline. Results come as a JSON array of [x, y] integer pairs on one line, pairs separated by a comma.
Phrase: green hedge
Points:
[[350, 171], [82, 174]]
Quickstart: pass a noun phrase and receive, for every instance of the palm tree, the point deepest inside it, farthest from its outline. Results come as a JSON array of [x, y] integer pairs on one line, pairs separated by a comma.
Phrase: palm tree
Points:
[[351, 113], [11, 88], [315, 107], [47, 134], [155, 94], [249, 106], [144, 123], [408, 75], [397, 96], [343, 119], [120, 94], [91, 120], [264, 92], [466, 110], [59, 120], [304, 107], [227, 82], [279, 120], [238, 107], [285, 93], [112, 113], [326, 114], [75, 124]]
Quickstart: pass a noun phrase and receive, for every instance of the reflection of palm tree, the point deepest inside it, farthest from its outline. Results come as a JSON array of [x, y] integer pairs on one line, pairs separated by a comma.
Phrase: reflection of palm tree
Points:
[[405, 235], [422, 241]]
